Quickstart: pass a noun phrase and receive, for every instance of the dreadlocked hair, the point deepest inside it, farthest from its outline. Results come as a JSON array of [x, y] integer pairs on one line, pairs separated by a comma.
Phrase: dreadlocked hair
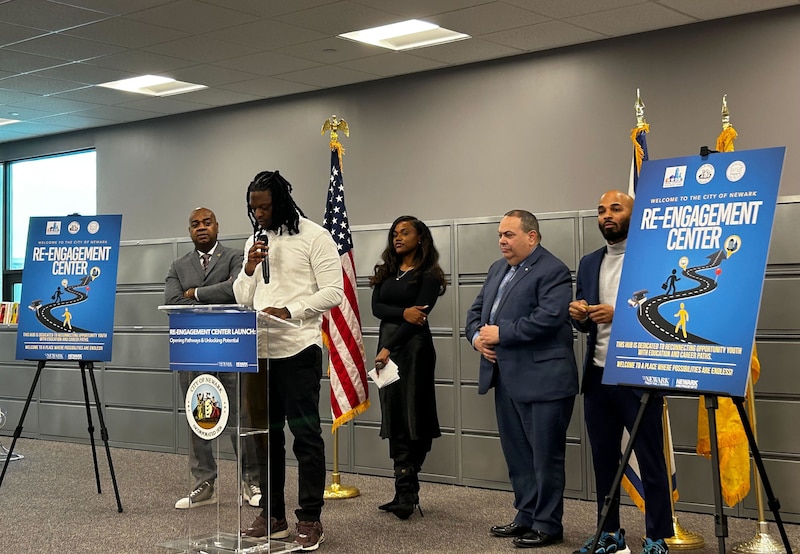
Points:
[[285, 213]]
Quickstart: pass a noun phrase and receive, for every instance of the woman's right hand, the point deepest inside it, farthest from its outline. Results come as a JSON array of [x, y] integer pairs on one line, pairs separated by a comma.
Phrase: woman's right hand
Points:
[[382, 359]]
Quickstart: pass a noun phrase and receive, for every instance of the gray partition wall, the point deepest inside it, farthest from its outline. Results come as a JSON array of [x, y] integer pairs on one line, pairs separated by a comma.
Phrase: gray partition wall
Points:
[[143, 404]]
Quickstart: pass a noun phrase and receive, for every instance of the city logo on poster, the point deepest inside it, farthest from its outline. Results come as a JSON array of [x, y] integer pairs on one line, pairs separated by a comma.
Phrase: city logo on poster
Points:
[[53, 228], [674, 176], [704, 174], [93, 227], [73, 227], [735, 171], [207, 406]]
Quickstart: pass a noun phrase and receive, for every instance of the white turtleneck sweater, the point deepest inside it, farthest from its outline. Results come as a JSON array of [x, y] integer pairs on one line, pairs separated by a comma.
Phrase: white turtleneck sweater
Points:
[[610, 272]]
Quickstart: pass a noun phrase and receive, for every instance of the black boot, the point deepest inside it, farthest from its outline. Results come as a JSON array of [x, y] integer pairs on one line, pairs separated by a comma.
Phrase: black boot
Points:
[[407, 498], [389, 505]]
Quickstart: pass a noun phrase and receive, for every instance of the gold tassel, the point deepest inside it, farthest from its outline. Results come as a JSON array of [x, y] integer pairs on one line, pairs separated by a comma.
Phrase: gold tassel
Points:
[[726, 138]]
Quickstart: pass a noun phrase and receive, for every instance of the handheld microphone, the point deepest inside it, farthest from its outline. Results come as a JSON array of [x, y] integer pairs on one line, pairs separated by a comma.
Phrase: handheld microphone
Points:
[[263, 237]]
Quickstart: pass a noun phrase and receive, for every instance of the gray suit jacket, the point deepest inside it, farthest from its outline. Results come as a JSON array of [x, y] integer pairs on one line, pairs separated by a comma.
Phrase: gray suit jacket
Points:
[[214, 287]]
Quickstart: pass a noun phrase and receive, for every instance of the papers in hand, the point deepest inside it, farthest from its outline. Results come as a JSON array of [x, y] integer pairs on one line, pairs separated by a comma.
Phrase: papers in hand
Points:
[[387, 375]]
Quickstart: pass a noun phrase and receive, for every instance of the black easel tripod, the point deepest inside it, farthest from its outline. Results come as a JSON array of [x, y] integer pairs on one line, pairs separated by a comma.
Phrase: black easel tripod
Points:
[[84, 365], [720, 519]]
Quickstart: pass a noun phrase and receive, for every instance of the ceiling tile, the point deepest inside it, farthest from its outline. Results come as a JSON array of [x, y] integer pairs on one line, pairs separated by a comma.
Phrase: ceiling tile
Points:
[[115, 7], [35, 84], [340, 17], [220, 97], [487, 18], [72, 121], [267, 87], [99, 95], [46, 15], [9, 34], [724, 8], [200, 48], [331, 50], [118, 114], [551, 34], [126, 32], [19, 62], [560, 9], [139, 61], [13, 97], [392, 63], [84, 73], [411, 9], [632, 19], [192, 16], [54, 104], [267, 63], [166, 105], [325, 76], [65, 47], [269, 8], [267, 34], [210, 75], [25, 113], [466, 51]]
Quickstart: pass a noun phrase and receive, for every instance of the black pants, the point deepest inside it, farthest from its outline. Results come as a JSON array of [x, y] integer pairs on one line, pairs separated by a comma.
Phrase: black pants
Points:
[[292, 397], [607, 410]]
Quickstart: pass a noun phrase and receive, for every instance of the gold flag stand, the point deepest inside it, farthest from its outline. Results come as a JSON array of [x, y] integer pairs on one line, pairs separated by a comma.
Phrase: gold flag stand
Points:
[[682, 539], [336, 490], [763, 541]]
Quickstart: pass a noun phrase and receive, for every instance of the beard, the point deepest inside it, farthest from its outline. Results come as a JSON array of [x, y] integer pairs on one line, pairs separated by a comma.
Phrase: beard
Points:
[[615, 234]]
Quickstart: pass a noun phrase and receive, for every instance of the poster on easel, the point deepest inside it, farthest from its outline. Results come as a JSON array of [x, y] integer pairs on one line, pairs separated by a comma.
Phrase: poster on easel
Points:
[[690, 290], [69, 285]]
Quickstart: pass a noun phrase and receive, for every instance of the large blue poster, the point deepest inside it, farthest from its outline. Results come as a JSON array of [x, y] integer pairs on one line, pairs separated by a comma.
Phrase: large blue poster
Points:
[[691, 283], [68, 288]]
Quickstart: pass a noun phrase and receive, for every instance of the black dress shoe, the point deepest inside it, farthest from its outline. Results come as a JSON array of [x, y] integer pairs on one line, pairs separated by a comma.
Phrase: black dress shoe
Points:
[[537, 539], [510, 530]]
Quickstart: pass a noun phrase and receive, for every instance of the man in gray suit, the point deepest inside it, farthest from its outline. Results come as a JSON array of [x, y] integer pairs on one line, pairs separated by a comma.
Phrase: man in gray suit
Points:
[[519, 323], [205, 276]]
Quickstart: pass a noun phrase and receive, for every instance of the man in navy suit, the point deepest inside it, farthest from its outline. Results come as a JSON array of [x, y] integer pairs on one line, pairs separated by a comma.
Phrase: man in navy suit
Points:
[[608, 409], [189, 282], [520, 325]]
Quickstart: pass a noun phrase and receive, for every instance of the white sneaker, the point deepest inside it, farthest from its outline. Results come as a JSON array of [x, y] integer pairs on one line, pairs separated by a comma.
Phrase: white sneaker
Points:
[[202, 495], [251, 493]]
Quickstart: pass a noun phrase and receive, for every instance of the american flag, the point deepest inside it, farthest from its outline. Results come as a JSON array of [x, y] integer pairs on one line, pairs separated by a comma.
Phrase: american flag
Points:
[[341, 327]]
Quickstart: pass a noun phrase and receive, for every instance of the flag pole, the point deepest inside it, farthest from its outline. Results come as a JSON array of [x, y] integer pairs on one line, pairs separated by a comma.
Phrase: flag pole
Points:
[[763, 541], [682, 539], [336, 490]]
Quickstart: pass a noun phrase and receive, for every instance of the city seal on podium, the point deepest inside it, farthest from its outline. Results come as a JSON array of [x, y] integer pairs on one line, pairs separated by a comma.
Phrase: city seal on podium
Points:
[[207, 406]]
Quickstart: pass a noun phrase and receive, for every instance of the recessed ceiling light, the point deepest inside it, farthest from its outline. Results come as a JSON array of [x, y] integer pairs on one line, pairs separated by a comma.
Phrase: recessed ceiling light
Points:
[[405, 35], [153, 85], [8, 121]]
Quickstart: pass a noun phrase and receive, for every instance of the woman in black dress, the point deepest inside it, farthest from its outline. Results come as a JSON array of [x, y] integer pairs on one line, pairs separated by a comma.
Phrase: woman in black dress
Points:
[[406, 286]]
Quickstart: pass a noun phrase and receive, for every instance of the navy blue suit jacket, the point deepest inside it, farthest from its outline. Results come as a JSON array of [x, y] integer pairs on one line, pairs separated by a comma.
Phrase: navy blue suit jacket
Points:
[[535, 351]]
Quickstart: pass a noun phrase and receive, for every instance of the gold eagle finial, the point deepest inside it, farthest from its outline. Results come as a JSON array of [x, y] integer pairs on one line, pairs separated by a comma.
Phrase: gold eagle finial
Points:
[[639, 109], [334, 124]]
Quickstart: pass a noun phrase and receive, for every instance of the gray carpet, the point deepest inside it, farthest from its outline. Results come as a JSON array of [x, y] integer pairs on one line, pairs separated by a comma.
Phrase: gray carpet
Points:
[[49, 503]]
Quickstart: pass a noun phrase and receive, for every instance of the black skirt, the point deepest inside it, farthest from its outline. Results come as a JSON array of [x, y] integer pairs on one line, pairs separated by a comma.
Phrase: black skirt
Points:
[[408, 406]]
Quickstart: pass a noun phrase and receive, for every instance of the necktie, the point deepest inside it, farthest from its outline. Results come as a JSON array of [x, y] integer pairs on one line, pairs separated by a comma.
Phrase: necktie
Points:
[[500, 290], [204, 260]]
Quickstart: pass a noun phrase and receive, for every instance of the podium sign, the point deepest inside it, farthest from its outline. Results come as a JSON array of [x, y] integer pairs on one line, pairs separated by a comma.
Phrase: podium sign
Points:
[[68, 288], [209, 341], [691, 283]]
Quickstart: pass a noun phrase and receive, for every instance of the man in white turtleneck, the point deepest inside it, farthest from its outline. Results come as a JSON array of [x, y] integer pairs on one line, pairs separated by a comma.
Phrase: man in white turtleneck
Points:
[[608, 409]]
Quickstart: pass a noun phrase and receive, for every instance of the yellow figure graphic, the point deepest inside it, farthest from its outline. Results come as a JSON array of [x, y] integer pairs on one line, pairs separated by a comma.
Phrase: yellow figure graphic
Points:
[[67, 319], [683, 317]]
